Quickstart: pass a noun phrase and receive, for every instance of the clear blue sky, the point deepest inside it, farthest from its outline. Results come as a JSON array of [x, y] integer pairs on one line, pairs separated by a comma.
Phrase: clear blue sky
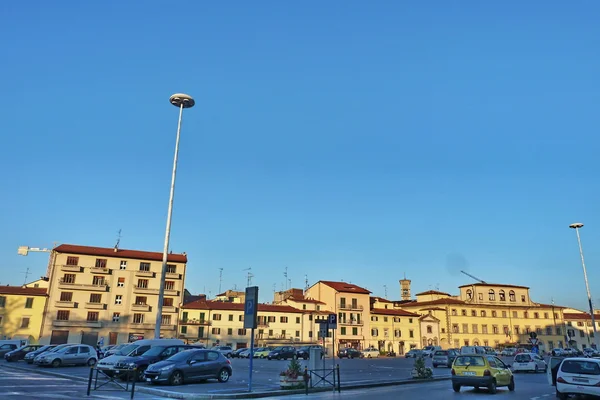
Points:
[[345, 140]]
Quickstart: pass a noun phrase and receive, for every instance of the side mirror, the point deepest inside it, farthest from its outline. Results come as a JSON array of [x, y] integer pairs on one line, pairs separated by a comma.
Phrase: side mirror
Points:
[[508, 366], [192, 362]]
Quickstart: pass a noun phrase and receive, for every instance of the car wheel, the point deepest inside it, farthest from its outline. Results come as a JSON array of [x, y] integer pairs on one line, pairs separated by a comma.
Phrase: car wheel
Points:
[[492, 387], [511, 385], [176, 378], [434, 365], [456, 387], [139, 375], [56, 363], [91, 362], [223, 375], [561, 396], [536, 369], [369, 356], [305, 357]]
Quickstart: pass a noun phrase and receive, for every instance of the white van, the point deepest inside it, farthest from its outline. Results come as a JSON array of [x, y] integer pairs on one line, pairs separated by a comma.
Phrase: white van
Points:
[[137, 348], [472, 350]]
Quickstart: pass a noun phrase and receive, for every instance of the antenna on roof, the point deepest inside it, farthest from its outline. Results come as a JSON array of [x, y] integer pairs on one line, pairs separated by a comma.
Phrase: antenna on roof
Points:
[[285, 275], [290, 283], [220, 278], [27, 273], [305, 282], [274, 288], [249, 276], [385, 291], [118, 240]]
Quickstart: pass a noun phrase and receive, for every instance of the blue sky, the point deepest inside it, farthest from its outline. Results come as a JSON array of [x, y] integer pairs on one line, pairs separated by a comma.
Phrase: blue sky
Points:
[[343, 140]]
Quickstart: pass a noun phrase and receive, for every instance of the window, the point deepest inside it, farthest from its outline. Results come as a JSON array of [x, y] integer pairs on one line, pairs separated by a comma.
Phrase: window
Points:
[[429, 329], [216, 331], [454, 328], [123, 265], [411, 333], [230, 331], [511, 296], [95, 298], [297, 320], [145, 266], [118, 299], [283, 320], [73, 261], [138, 318], [93, 316], [469, 294], [354, 331], [171, 269], [495, 329], [241, 332], [465, 328], [517, 330], [503, 314], [483, 313], [241, 318], [492, 295], [25, 322], [505, 330], [545, 315], [397, 333], [62, 315], [525, 314], [68, 278], [374, 332], [385, 319], [538, 330], [230, 317], [116, 317], [522, 298], [494, 314], [169, 285], [475, 329], [473, 313], [66, 296], [184, 330], [480, 296], [98, 280], [168, 302], [502, 295], [515, 314], [484, 329], [100, 263], [142, 283], [141, 300], [121, 282], [536, 315], [454, 312], [558, 331], [216, 317], [464, 312]]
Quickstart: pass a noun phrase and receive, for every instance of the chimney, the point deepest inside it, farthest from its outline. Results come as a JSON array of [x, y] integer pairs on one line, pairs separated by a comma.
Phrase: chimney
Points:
[[116, 249]]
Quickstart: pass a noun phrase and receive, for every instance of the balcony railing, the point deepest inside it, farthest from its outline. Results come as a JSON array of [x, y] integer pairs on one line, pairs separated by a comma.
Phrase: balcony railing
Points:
[[172, 275], [64, 304], [147, 274], [77, 324], [71, 268], [351, 322], [140, 307], [99, 287], [171, 292], [100, 270], [144, 290], [263, 324], [194, 322], [350, 307], [95, 306]]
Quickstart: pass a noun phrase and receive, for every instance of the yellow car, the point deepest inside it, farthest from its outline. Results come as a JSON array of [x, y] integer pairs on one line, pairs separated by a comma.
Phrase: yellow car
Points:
[[263, 352], [481, 370]]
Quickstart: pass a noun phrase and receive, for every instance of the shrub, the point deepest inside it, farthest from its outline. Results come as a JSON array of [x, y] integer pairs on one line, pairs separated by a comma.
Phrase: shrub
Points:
[[421, 370], [294, 369]]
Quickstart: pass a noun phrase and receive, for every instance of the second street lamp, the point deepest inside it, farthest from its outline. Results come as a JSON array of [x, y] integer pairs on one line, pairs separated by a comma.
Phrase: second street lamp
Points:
[[181, 101]]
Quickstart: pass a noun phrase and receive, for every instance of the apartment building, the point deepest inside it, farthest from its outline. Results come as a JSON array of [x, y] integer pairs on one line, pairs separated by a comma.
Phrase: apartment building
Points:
[[393, 329], [222, 323], [487, 315], [21, 311], [110, 294], [580, 332]]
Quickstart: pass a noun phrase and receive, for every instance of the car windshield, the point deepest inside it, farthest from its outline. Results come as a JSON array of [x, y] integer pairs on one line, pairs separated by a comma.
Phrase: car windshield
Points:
[[155, 351], [127, 350], [440, 353], [580, 367], [182, 356], [304, 347], [522, 358], [43, 348], [463, 361], [278, 348]]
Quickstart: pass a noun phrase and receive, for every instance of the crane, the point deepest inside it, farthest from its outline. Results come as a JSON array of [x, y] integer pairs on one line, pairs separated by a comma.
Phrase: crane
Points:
[[473, 277]]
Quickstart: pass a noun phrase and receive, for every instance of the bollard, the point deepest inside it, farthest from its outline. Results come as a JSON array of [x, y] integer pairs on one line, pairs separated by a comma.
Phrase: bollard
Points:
[[338, 379], [306, 380], [135, 378], [89, 388]]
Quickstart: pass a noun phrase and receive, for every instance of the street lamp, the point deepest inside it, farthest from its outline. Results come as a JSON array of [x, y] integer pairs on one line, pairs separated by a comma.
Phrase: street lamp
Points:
[[576, 226], [181, 101]]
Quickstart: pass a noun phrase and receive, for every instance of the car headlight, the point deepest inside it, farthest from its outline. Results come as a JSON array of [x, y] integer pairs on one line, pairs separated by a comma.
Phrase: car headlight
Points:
[[132, 365], [167, 367]]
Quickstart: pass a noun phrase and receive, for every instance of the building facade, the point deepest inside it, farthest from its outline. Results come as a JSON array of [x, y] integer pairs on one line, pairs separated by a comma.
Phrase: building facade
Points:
[[21, 311], [580, 332], [392, 329], [110, 295]]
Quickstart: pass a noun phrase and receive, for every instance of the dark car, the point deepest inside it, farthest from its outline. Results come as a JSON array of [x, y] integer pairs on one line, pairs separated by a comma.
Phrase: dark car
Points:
[[443, 357], [236, 353], [19, 354], [304, 351], [7, 347], [349, 352], [190, 365], [31, 355], [282, 353], [140, 363]]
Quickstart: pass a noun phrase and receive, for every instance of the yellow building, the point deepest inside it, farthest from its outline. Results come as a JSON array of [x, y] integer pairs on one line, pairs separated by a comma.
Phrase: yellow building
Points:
[[393, 329], [109, 294], [222, 323], [580, 331], [21, 311], [487, 315]]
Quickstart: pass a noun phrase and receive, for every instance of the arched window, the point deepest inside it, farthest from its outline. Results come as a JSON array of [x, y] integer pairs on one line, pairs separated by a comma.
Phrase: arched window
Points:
[[511, 295], [492, 295], [469, 294], [475, 342], [502, 295], [429, 329]]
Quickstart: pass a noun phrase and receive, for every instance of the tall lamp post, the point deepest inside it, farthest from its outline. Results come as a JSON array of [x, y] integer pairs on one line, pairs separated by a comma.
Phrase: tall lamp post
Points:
[[576, 226], [181, 101]]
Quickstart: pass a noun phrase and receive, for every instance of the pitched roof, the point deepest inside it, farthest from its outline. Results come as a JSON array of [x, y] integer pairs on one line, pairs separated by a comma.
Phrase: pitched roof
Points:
[[381, 299], [20, 290], [120, 253], [495, 285], [583, 316], [345, 287], [227, 306], [432, 292], [396, 312]]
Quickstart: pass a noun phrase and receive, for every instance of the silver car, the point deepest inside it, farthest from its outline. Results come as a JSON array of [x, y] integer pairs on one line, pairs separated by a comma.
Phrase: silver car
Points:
[[77, 354]]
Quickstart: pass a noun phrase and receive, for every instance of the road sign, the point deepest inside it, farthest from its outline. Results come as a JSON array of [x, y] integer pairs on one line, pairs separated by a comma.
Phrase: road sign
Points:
[[101, 342], [332, 321], [323, 329], [251, 308]]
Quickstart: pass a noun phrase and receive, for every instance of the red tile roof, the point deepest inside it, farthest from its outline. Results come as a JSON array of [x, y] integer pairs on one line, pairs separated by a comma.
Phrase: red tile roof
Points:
[[20, 290], [345, 287], [120, 253], [432, 292], [584, 316], [381, 299], [398, 313], [495, 284], [227, 306]]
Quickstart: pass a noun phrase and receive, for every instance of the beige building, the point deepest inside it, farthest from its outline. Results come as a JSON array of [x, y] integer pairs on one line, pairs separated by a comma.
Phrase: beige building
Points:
[[21, 311], [393, 329], [110, 294], [580, 331]]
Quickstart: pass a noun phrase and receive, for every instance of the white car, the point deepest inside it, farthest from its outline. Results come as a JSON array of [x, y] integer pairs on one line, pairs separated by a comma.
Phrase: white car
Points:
[[371, 352], [577, 376], [557, 352], [509, 352], [530, 362]]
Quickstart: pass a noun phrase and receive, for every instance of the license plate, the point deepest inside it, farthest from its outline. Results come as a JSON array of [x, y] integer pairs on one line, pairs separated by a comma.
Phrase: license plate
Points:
[[469, 373], [581, 380], [148, 379], [523, 364]]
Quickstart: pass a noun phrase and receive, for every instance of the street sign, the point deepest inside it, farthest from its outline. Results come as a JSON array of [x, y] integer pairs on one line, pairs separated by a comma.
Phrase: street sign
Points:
[[323, 329], [332, 321], [101, 342], [251, 308]]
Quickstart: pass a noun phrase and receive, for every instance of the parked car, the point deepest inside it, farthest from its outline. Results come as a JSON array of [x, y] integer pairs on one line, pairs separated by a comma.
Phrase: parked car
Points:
[[7, 347], [590, 352], [76, 354], [557, 352], [429, 350], [529, 362], [580, 376], [262, 352], [108, 364], [31, 355], [140, 363], [282, 353], [509, 352], [114, 350], [56, 348], [478, 371], [236, 353], [413, 353], [371, 352], [443, 357], [21, 352], [246, 352], [472, 350], [190, 365], [349, 352], [304, 351], [225, 350]]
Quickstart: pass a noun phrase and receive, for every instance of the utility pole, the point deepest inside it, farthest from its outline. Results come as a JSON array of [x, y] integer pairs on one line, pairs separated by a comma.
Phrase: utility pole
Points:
[[220, 278]]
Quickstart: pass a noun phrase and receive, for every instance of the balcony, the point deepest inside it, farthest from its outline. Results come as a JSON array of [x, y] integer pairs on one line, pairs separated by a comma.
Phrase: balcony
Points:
[[71, 268], [171, 292], [102, 287], [262, 324], [65, 304], [354, 323], [100, 270], [350, 307], [142, 290], [194, 322], [77, 324], [95, 306], [140, 307], [172, 275], [145, 274], [169, 309]]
